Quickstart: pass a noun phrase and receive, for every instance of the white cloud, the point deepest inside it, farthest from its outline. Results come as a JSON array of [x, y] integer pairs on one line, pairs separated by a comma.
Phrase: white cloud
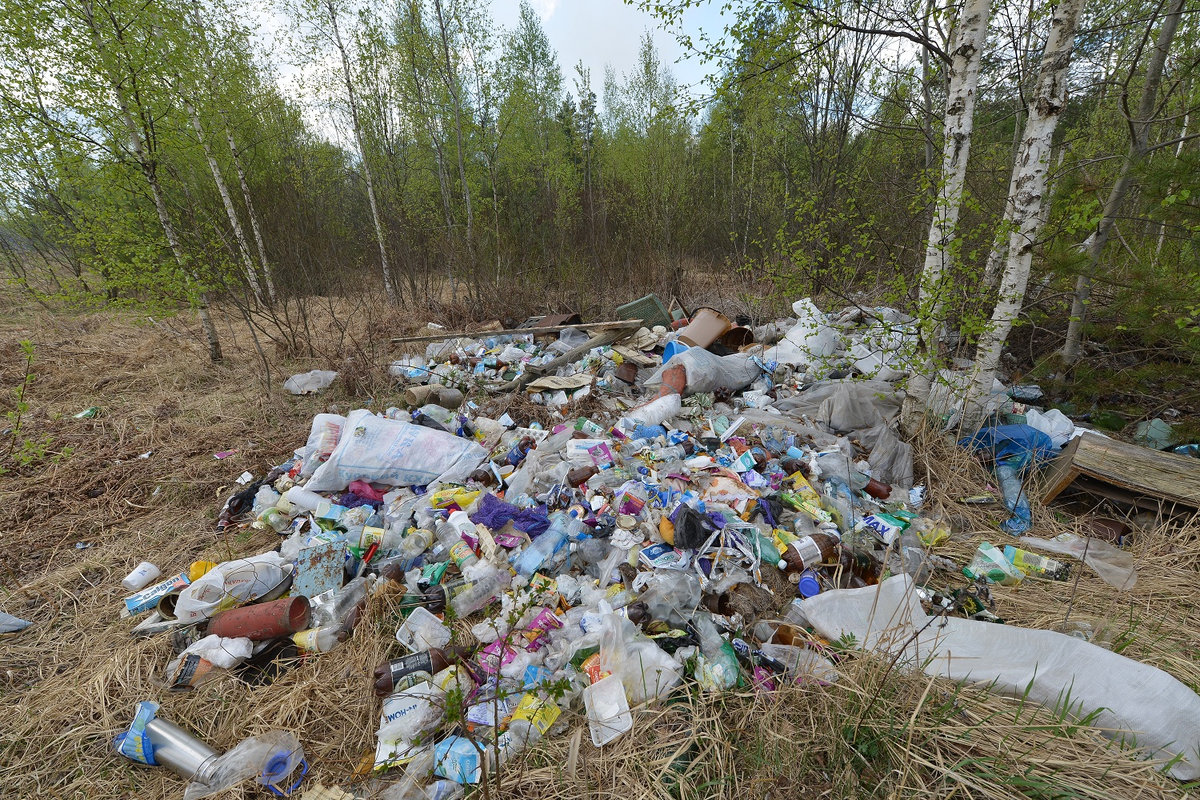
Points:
[[545, 8]]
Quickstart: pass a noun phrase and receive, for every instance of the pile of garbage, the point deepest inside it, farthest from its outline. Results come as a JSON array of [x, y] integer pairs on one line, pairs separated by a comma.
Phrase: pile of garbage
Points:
[[723, 523]]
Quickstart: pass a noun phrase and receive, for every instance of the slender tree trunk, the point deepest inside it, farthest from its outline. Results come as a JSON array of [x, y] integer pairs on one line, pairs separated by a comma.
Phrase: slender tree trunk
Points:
[[452, 85], [255, 227], [239, 233], [970, 37], [388, 287], [1139, 143], [960, 115], [149, 170], [1032, 165]]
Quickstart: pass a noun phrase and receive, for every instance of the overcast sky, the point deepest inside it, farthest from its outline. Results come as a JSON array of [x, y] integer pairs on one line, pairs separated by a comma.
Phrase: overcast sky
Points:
[[601, 32]]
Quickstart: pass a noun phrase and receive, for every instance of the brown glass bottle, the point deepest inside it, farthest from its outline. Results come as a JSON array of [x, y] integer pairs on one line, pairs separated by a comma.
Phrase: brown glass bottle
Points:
[[860, 565], [581, 475], [392, 674], [807, 552]]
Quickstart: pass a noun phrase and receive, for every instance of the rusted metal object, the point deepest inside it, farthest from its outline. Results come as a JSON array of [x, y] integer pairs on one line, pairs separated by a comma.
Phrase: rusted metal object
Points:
[[263, 621]]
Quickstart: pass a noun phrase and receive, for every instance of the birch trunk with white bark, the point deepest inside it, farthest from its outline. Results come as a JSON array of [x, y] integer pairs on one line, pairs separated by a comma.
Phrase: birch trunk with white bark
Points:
[[970, 38], [1029, 187], [368, 177]]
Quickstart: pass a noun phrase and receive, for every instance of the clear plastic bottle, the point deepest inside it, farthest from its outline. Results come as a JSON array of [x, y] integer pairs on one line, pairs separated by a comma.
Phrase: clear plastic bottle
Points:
[[458, 550], [476, 593], [319, 640], [531, 559]]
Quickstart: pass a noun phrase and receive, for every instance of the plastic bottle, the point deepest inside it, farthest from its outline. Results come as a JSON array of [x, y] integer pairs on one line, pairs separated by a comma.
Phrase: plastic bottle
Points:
[[459, 551], [531, 559], [720, 667], [807, 552], [340, 608], [319, 640], [478, 592], [675, 452], [141, 576], [392, 674]]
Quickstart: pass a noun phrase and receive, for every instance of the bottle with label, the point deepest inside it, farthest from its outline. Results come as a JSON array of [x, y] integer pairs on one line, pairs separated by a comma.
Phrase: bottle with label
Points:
[[459, 551], [808, 552], [319, 640], [390, 676]]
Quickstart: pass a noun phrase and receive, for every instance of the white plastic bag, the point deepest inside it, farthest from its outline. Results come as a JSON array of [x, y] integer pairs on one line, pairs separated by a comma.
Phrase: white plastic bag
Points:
[[230, 584], [708, 373], [310, 382], [395, 453], [323, 437], [1114, 565], [645, 670], [1129, 699], [812, 332], [1053, 423]]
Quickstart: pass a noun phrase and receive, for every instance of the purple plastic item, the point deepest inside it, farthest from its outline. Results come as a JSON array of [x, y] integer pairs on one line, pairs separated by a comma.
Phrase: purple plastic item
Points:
[[494, 513]]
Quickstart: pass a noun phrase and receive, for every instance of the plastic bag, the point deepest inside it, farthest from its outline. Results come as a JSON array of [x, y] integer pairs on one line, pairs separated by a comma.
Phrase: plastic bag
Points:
[[812, 332], [891, 460], [880, 396], [1114, 565], [1053, 423], [991, 564], [709, 373], [645, 670], [1129, 699], [230, 584], [323, 437], [394, 453], [272, 757], [310, 382]]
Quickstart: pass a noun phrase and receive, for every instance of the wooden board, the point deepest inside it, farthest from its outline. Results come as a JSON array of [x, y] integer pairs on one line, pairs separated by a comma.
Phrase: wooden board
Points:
[[1134, 474], [627, 325]]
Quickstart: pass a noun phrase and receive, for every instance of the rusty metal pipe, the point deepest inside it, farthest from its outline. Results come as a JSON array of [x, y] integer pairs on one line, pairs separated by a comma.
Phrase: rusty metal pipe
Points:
[[263, 621]]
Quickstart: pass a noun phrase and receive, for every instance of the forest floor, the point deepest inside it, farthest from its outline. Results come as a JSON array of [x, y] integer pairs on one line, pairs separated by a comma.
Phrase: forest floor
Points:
[[140, 481]]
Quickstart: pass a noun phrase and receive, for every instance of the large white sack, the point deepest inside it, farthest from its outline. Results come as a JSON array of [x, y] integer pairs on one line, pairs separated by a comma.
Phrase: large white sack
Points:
[[812, 332], [395, 453], [1128, 697], [708, 373]]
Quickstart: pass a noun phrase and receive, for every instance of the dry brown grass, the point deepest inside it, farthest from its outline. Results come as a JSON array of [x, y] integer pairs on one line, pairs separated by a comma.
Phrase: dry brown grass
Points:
[[67, 685]]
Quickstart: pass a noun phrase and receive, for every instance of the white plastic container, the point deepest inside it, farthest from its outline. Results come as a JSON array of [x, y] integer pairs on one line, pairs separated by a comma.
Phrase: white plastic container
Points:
[[607, 710], [422, 631], [143, 574], [305, 500]]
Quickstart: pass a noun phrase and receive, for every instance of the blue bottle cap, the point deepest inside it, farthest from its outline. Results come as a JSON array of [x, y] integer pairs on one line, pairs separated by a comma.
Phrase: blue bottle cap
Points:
[[809, 585]]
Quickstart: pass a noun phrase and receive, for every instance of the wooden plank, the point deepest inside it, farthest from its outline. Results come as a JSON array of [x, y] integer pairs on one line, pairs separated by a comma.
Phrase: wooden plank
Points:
[[1166, 476], [1061, 471], [625, 324]]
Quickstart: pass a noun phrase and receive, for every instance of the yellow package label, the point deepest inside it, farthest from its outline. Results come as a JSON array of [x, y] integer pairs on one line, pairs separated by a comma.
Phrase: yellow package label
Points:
[[444, 498], [539, 713]]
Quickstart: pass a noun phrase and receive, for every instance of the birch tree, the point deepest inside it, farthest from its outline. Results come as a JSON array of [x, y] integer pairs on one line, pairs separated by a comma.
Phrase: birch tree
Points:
[[324, 19], [969, 39], [1029, 185], [1139, 145]]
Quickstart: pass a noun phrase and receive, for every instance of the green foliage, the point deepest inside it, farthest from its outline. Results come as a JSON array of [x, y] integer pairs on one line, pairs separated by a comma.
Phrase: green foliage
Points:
[[23, 449]]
